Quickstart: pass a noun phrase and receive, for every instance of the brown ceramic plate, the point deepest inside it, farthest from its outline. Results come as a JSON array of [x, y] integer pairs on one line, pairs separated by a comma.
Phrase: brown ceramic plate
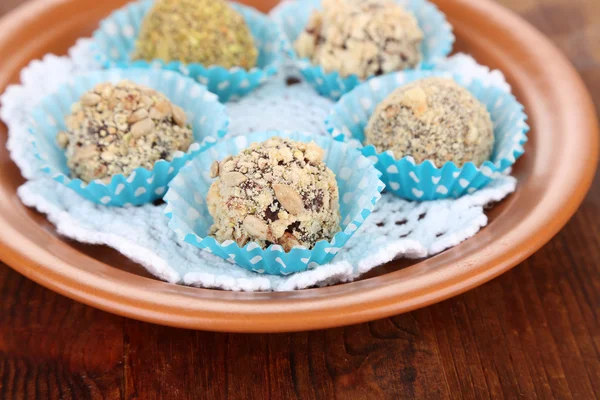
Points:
[[554, 176]]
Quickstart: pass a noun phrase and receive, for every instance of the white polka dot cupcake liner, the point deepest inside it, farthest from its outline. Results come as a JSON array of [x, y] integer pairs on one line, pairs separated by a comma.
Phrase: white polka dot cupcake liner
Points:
[[425, 181], [359, 188], [205, 114], [114, 43], [292, 18]]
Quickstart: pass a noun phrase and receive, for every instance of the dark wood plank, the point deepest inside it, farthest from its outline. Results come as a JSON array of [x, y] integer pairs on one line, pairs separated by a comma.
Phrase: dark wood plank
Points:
[[532, 333], [52, 347]]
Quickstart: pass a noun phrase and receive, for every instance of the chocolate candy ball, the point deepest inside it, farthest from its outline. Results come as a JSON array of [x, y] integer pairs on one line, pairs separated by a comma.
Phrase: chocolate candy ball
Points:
[[432, 119]]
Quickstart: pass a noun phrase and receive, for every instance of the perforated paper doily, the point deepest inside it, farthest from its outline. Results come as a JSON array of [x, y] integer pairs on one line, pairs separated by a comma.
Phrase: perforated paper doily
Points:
[[397, 228]]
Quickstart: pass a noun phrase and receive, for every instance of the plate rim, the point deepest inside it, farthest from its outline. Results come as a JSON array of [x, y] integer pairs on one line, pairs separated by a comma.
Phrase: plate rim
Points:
[[136, 297]]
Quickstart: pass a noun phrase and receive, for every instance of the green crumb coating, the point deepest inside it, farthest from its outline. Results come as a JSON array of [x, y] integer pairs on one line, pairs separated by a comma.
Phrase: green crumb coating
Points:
[[433, 119], [208, 32]]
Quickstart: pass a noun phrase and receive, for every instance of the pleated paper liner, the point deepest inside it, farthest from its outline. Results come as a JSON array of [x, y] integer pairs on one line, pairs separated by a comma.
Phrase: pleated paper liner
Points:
[[292, 17], [425, 181], [114, 43], [205, 114], [359, 189]]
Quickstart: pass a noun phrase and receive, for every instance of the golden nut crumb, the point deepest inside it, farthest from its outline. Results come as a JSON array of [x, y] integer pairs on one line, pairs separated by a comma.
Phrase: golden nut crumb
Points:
[[62, 139], [361, 37], [110, 131], [179, 116], [289, 241], [142, 127], [90, 99], [214, 169], [255, 227], [209, 32], [138, 115], [233, 179], [276, 192], [289, 198], [432, 119]]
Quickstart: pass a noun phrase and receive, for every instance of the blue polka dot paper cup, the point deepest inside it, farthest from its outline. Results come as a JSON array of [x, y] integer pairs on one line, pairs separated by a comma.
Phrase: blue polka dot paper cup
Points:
[[359, 189], [114, 43], [205, 114], [292, 18], [425, 181]]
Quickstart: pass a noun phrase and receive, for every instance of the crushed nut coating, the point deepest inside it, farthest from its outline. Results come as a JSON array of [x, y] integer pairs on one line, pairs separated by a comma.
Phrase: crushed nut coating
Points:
[[208, 32], [433, 119], [362, 37], [114, 129], [276, 192]]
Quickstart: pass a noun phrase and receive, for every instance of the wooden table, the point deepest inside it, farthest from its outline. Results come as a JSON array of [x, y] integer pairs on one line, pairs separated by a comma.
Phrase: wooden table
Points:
[[532, 333]]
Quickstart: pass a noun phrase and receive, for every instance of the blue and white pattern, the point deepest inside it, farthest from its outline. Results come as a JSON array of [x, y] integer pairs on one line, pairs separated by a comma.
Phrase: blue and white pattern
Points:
[[206, 115], [142, 234], [359, 188], [425, 181], [293, 16], [115, 40]]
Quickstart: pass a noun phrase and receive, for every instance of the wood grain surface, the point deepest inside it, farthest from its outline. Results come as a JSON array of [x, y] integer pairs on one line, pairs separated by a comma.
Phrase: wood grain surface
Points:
[[532, 333]]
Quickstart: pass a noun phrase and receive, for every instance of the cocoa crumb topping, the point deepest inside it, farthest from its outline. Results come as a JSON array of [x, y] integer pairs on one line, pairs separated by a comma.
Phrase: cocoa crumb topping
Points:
[[432, 119]]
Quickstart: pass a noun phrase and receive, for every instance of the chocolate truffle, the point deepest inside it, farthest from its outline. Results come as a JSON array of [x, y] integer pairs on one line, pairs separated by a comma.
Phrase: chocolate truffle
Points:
[[433, 119], [276, 192], [208, 32], [114, 129], [361, 37]]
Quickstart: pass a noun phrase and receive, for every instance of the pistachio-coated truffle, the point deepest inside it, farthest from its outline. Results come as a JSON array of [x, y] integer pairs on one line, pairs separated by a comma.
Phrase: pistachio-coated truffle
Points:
[[433, 119], [208, 32]]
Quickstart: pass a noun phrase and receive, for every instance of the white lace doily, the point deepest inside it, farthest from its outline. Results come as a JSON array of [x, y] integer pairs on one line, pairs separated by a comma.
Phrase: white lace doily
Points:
[[397, 228]]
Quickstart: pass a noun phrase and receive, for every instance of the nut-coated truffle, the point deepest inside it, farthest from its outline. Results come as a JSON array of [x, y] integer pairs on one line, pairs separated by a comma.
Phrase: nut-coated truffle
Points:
[[361, 37], [276, 192], [114, 129], [432, 119]]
